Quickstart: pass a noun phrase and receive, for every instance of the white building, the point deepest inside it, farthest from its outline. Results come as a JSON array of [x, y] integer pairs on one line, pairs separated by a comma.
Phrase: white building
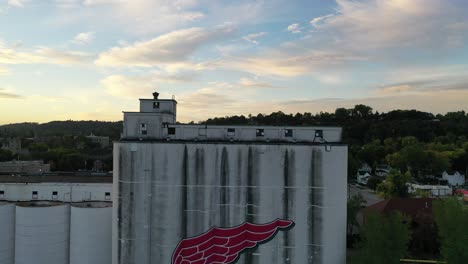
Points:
[[55, 220], [102, 141], [433, 190], [173, 182], [11, 144], [455, 179]]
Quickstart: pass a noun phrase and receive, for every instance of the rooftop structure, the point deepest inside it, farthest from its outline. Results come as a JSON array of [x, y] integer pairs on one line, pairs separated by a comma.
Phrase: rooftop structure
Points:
[[157, 121]]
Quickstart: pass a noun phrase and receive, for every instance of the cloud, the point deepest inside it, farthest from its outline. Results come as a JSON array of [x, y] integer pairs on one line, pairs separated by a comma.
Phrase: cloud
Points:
[[255, 83], [294, 28], [372, 25], [128, 86], [17, 3], [136, 17], [317, 21], [3, 70], [141, 85], [173, 47], [83, 38], [422, 79], [284, 64], [429, 101], [4, 94], [41, 55], [395, 89], [252, 38]]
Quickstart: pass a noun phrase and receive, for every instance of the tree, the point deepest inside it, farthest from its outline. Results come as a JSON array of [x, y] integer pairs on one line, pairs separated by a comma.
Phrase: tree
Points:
[[451, 217], [362, 111], [385, 239], [5, 155], [372, 152], [355, 203], [395, 185]]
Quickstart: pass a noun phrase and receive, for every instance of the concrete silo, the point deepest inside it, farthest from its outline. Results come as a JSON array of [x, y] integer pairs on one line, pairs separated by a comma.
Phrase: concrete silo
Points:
[[91, 233], [7, 233], [42, 233]]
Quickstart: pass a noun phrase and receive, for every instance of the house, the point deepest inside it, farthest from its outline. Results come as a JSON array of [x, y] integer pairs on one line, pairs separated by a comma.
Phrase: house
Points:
[[433, 190], [102, 141], [455, 179], [11, 144], [364, 174], [382, 170]]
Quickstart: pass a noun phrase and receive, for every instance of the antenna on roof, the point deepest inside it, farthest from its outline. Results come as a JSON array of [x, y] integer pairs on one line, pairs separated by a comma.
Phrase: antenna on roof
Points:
[[155, 95]]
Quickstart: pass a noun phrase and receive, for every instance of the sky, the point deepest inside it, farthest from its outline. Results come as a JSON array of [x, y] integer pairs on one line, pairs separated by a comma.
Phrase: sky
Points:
[[93, 59]]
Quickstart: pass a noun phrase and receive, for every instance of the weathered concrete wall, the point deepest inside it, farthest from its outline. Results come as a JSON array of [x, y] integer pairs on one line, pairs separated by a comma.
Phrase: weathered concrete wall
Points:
[[165, 192], [42, 234], [7, 233], [90, 234]]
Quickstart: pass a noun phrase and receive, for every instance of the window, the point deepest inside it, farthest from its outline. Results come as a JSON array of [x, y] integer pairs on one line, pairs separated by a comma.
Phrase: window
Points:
[[54, 195], [155, 104], [34, 195], [107, 196], [260, 133], [202, 131], [143, 129], [171, 130], [288, 132], [231, 131], [2, 195]]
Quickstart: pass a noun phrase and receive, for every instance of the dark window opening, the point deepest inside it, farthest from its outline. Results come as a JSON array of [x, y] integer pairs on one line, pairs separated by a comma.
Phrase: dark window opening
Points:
[[155, 104], [107, 195], [231, 130], [54, 193], [260, 133], [319, 133], [171, 130], [34, 194], [143, 130], [288, 133], [2, 194]]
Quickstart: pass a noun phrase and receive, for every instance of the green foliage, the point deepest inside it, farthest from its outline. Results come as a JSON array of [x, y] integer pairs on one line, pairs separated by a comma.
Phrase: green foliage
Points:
[[355, 203], [372, 153], [62, 128], [373, 182], [385, 240], [452, 221], [394, 185], [5, 155]]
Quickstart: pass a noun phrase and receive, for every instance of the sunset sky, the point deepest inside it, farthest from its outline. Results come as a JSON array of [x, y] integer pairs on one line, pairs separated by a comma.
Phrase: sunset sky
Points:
[[92, 59]]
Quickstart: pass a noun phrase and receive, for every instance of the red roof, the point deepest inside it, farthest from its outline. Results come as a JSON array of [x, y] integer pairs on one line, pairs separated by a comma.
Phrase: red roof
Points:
[[412, 207]]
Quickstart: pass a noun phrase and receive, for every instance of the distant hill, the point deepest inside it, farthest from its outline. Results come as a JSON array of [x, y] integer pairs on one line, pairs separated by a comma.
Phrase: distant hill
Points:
[[60, 128]]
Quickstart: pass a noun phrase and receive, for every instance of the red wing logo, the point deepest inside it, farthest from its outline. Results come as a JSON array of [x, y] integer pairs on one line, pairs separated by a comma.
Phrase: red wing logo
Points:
[[224, 245]]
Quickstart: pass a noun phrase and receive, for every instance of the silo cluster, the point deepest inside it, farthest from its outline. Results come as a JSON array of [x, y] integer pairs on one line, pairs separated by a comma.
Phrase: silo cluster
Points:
[[43, 232]]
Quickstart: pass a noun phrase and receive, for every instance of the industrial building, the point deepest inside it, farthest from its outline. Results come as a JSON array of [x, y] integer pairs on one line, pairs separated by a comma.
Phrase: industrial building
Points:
[[176, 184], [23, 166], [55, 219]]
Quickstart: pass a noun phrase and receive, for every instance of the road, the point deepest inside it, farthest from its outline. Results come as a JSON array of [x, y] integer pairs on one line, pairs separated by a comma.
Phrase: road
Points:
[[369, 195]]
